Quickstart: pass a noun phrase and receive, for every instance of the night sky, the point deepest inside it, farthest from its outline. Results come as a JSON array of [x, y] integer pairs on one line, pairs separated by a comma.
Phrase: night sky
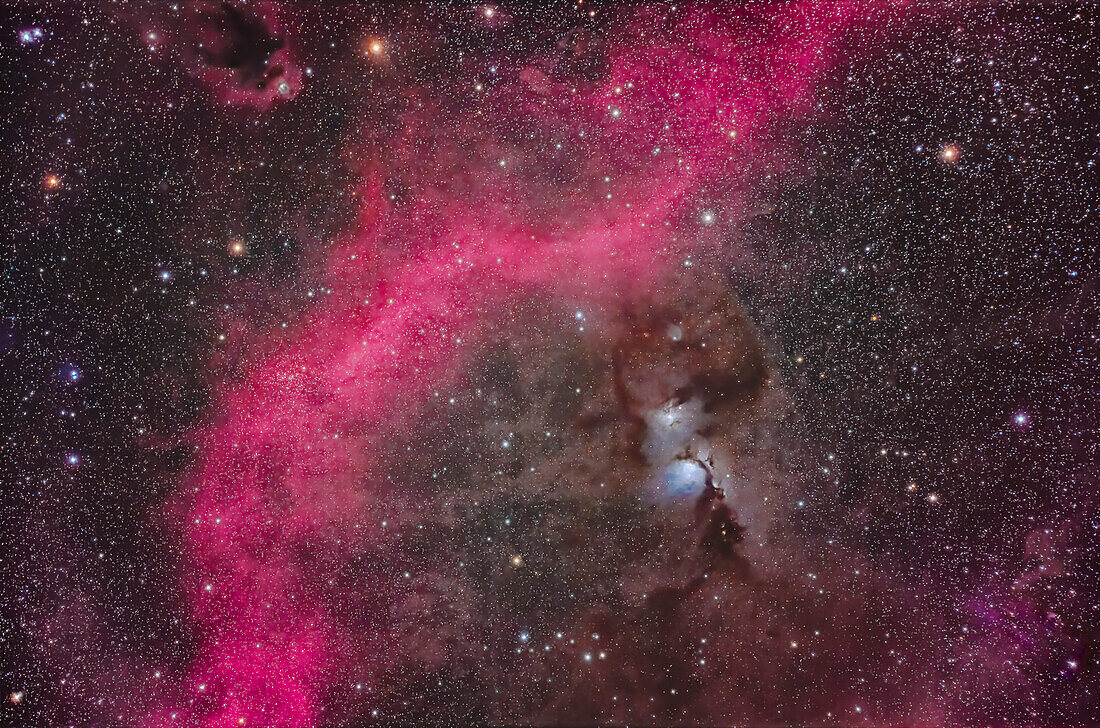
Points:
[[563, 364]]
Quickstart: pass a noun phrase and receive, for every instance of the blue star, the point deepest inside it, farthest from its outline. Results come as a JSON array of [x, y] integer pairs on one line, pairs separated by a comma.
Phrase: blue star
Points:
[[30, 36], [70, 374]]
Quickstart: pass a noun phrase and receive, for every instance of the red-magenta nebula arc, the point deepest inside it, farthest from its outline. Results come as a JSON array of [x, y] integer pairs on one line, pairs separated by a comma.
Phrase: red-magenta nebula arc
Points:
[[291, 460], [570, 362]]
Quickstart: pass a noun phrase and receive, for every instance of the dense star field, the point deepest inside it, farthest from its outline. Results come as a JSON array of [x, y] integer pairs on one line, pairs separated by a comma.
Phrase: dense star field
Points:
[[575, 363]]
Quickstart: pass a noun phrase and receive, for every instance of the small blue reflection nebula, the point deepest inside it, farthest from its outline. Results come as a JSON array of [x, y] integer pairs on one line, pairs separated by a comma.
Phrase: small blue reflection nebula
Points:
[[684, 477]]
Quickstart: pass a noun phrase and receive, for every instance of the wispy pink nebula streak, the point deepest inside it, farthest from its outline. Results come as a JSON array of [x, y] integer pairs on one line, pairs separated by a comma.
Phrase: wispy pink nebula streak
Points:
[[291, 460]]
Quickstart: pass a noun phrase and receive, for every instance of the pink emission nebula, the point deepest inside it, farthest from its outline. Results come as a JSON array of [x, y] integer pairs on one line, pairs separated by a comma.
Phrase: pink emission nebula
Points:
[[567, 363], [289, 463]]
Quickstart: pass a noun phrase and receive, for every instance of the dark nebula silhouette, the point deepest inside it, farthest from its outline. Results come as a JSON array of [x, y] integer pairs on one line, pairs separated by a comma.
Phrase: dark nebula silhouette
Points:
[[581, 363]]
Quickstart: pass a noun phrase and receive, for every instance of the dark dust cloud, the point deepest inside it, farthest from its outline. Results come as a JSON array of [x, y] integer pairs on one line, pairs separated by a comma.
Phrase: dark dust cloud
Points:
[[571, 363]]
